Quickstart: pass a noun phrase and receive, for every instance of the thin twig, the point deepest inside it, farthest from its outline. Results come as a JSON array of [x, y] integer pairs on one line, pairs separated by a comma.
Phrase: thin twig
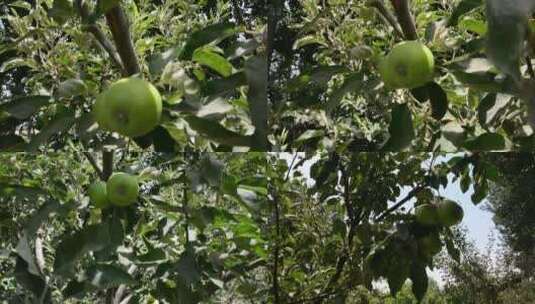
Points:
[[405, 19], [107, 163], [407, 198], [185, 210], [530, 67], [94, 164], [381, 8], [99, 35]]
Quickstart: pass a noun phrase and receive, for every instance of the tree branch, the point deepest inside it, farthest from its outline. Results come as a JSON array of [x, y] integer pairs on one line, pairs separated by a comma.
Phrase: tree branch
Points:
[[407, 198], [100, 36], [275, 270], [403, 13], [94, 164], [381, 8], [118, 24], [107, 164]]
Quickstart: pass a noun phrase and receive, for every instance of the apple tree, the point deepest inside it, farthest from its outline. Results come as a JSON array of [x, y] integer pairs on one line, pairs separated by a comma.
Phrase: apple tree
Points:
[[351, 222], [195, 232]]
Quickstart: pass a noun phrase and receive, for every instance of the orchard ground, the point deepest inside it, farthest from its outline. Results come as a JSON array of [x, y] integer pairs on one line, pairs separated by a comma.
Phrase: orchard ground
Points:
[[478, 221]]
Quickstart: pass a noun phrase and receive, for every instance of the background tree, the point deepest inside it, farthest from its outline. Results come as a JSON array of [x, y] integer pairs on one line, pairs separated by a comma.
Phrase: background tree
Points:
[[511, 202]]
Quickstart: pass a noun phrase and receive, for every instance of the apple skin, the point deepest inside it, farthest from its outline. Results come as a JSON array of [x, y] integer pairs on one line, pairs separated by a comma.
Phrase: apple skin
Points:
[[122, 189], [449, 213], [98, 195], [131, 107], [426, 215], [410, 64]]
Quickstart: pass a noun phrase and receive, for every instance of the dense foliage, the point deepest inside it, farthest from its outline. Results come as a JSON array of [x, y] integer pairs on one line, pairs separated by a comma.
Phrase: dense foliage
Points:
[[277, 75]]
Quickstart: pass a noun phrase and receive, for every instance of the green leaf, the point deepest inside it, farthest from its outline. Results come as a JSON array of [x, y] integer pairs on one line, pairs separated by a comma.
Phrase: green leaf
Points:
[[213, 60], [71, 87], [62, 122], [12, 143], [438, 99], [108, 276], [211, 170], [212, 33], [256, 72], [15, 63], [216, 132], [31, 282], [187, 267], [318, 76], [490, 106], [24, 107], [486, 142], [61, 11], [352, 83], [74, 247], [401, 129], [419, 280], [308, 40], [223, 85], [465, 6], [157, 62]]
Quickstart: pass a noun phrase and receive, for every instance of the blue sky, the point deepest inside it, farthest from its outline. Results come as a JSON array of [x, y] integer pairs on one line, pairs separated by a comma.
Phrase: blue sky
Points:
[[477, 220]]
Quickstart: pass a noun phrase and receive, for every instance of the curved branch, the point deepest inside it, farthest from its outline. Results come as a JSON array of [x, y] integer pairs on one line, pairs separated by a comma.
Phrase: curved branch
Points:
[[99, 35], [403, 13], [118, 24], [383, 11]]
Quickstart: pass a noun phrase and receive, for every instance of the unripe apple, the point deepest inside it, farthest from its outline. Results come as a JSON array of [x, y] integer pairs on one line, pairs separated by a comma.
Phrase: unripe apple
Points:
[[429, 245], [131, 107], [449, 213], [426, 215], [98, 195], [122, 189], [409, 65]]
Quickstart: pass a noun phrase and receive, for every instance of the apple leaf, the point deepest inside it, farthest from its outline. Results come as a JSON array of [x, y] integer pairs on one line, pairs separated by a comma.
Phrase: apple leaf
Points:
[[352, 83], [61, 11], [216, 132], [62, 122], [213, 60], [465, 6], [75, 246], [438, 99], [224, 85], [12, 143], [157, 62], [31, 282], [490, 106], [401, 129], [210, 34], [24, 107], [71, 87], [486, 142], [318, 76], [104, 276], [419, 280]]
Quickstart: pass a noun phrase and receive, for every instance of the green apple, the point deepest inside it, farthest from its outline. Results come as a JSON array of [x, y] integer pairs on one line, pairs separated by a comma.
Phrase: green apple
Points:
[[122, 189], [429, 245], [449, 213], [131, 107], [426, 215], [409, 65], [97, 194]]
